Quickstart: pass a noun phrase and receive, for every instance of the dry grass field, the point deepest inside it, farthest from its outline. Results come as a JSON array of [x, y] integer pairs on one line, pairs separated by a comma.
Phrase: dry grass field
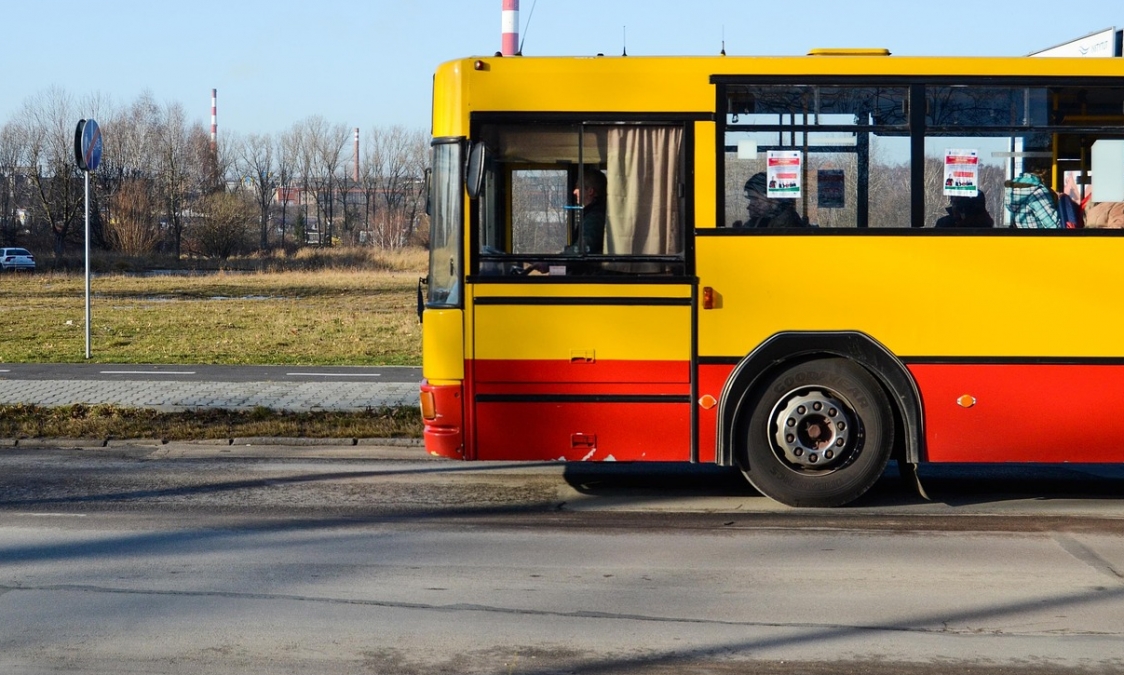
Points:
[[327, 308]]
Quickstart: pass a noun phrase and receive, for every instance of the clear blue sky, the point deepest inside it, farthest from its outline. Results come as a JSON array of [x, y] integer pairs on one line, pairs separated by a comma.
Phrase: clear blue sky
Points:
[[369, 63]]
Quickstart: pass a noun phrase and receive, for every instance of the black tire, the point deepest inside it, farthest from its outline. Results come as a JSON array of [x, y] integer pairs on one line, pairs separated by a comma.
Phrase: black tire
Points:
[[818, 434]]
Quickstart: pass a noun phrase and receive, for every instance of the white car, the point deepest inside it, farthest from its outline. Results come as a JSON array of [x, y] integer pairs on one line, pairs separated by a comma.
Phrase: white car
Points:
[[16, 259]]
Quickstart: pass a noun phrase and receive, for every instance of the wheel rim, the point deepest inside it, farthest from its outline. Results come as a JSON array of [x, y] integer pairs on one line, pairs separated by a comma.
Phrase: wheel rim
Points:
[[814, 430]]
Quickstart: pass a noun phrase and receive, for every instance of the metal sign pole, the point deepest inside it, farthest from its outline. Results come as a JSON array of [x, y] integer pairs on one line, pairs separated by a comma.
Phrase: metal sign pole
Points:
[[87, 154], [87, 173]]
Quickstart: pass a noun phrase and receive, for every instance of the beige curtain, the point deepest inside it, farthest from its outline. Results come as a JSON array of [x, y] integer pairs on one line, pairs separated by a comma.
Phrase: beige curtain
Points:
[[643, 171]]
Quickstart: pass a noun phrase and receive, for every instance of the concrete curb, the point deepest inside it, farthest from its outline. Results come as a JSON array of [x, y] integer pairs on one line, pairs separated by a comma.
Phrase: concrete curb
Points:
[[396, 442], [59, 443], [265, 440], [134, 442]]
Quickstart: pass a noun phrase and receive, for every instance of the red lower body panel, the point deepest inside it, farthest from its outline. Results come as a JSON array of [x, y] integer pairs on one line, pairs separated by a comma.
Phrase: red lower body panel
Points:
[[582, 411], [584, 431], [641, 412], [1022, 413]]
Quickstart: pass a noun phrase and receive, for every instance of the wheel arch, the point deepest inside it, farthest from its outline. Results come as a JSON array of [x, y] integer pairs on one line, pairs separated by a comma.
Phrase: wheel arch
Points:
[[782, 350]]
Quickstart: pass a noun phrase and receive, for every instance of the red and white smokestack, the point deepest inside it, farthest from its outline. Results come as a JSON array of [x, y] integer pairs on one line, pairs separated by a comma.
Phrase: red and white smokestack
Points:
[[214, 117], [510, 27], [356, 154]]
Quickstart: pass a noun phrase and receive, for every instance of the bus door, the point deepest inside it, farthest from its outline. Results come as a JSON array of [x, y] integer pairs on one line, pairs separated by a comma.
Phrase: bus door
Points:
[[581, 307]]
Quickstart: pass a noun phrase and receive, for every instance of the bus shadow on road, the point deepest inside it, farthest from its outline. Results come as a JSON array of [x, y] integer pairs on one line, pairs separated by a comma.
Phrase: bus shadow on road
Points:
[[951, 485], [668, 482], [965, 484], [678, 478]]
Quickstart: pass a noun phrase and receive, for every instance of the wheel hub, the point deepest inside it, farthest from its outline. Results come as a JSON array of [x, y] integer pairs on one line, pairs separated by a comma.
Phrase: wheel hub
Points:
[[814, 429]]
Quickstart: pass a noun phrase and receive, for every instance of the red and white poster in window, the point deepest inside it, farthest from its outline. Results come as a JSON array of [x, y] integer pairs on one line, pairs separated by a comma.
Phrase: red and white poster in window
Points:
[[961, 173], [783, 173]]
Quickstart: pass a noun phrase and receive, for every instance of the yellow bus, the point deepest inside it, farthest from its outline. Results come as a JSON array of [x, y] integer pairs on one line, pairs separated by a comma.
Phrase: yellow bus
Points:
[[802, 267]]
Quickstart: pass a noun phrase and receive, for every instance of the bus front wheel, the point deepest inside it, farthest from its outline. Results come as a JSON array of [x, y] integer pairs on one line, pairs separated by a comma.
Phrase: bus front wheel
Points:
[[819, 434]]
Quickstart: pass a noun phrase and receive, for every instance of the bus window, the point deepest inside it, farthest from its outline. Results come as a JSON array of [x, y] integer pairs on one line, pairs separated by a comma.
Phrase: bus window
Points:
[[839, 155], [978, 140], [966, 171], [533, 218], [1022, 146]]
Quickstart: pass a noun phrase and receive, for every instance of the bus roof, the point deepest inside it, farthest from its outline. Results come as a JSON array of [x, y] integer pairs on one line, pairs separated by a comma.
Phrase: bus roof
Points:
[[818, 61], [673, 84]]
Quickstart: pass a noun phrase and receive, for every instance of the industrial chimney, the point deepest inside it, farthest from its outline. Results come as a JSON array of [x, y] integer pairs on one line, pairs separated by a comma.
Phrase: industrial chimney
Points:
[[214, 119], [356, 154], [510, 27]]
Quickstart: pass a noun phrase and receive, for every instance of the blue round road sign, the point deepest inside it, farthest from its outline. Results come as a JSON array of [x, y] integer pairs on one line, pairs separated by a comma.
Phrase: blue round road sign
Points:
[[87, 145]]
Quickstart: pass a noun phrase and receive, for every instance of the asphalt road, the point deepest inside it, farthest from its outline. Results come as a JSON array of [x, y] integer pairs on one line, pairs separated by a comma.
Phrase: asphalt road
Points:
[[189, 558]]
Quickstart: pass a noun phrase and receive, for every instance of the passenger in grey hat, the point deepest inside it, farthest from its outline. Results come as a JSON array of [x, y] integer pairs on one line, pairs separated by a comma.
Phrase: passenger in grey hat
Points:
[[764, 211]]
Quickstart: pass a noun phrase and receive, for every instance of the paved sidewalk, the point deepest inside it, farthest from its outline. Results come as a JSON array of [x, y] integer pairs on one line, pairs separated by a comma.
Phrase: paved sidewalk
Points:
[[173, 396]]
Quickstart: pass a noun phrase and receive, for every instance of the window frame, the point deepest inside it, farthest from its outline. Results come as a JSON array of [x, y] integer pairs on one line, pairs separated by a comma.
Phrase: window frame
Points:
[[681, 263], [918, 129]]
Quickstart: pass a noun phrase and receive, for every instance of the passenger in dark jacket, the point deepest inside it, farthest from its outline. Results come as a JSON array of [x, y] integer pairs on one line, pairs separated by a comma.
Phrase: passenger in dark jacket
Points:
[[967, 212], [764, 211]]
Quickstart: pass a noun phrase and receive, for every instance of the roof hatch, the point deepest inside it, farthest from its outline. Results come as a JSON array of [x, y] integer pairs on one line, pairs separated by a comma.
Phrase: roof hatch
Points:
[[837, 51]]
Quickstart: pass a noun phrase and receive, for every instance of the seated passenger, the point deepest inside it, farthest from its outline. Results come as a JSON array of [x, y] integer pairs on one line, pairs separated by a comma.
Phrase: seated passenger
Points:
[[967, 212], [1105, 214], [764, 211], [1031, 202]]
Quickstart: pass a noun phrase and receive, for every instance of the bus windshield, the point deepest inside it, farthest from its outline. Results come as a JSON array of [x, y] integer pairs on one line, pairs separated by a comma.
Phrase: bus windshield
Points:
[[446, 225]]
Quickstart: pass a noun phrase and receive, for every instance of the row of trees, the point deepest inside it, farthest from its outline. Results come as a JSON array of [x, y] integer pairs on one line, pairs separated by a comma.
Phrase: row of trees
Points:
[[163, 185]]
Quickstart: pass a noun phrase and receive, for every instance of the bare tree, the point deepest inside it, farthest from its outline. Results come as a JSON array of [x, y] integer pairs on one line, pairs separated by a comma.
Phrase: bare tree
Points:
[[393, 181], [286, 162], [350, 194], [417, 162], [129, 162], [370, 177], [219, 159], [133, 138], [45, 125], [323, 145], [10, 183], [297, 142], [256, 164], [186, 168], [329, 153]]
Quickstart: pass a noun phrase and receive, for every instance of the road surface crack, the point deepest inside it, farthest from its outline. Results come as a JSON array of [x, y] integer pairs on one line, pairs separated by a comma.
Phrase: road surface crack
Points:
[[1088, 556]]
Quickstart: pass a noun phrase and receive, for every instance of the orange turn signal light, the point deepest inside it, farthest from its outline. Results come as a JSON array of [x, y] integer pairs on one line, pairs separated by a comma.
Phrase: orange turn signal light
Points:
[[428, 406]]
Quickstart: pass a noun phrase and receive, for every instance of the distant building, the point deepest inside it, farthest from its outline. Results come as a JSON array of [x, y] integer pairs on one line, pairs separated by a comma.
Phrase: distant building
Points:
[[1103, 43]]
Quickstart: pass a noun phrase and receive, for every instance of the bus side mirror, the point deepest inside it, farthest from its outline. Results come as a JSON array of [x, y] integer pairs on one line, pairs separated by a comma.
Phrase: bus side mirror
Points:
[[478, 159]]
